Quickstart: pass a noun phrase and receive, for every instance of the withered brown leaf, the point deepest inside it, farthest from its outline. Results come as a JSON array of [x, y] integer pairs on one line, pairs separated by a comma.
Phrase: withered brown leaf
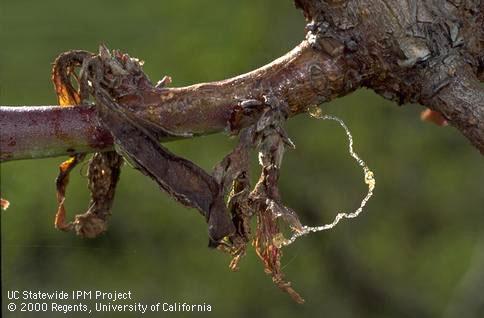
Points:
[[182, 179], [104, 168]]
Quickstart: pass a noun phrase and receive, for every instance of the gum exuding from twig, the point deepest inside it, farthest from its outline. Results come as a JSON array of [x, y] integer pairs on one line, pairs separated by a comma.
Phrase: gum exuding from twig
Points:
[[369, 178]]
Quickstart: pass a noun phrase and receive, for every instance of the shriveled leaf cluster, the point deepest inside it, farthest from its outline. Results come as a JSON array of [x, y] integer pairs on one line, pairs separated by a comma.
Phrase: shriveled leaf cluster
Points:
[[225, 197]]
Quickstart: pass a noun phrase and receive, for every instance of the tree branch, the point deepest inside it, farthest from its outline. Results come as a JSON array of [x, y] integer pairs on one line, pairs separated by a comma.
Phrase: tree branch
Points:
[[48, 131], [459, 97], [301, 78], [406, 51]]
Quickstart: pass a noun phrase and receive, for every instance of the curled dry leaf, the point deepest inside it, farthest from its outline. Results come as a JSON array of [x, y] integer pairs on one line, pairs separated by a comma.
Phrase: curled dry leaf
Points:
[[268, 232], [103, 175], [4, 204], [270, 139], [104, 168], [64, 68], [115, 75], [432, 116], [61, 183], [232, 173], [180, 178], [224, 198]]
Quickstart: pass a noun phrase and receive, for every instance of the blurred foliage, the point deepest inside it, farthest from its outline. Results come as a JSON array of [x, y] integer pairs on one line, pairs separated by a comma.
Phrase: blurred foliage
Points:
[[409, 255]]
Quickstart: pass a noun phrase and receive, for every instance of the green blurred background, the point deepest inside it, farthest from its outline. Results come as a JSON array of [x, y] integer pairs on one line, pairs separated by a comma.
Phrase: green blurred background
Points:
[[417, 251]]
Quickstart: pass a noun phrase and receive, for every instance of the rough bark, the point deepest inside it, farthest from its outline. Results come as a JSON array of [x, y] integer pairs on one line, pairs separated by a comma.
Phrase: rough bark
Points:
[[428, 52]]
